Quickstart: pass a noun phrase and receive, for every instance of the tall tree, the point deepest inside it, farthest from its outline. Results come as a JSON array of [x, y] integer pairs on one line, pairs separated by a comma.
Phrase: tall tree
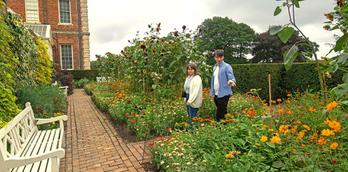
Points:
[[235, 38], [270, 49]]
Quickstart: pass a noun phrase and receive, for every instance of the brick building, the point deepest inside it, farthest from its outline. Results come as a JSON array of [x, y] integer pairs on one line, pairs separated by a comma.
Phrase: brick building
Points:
[[64, 23]]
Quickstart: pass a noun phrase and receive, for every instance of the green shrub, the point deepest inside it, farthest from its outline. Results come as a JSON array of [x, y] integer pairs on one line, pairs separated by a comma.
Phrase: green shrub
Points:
[[44, 71], [45, 100], [81, 74], [81, 83]]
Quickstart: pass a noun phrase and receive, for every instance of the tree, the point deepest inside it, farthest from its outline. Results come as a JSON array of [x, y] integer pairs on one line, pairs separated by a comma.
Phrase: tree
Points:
[[268, 48], [235, 38]]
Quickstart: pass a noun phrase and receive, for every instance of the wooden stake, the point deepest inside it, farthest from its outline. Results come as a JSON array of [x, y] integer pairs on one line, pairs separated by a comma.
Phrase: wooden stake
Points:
[[269, 89]]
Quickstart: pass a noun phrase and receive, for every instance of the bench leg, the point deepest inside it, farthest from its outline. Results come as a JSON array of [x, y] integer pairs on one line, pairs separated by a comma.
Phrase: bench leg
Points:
[[55, 166]]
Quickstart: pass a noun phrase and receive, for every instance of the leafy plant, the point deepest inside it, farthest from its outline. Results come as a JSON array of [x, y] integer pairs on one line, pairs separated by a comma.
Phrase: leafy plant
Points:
[[43, 75]]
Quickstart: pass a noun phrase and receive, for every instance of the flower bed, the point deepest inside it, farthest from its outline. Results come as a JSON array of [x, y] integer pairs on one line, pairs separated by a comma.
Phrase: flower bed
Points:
[[303, 134]]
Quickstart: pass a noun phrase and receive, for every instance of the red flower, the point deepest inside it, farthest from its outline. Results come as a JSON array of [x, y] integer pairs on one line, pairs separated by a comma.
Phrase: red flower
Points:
[[133, 121], [333, 161]]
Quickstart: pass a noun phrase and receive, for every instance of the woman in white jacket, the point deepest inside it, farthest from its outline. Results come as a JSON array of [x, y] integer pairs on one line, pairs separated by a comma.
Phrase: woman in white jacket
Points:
[[193, 89]]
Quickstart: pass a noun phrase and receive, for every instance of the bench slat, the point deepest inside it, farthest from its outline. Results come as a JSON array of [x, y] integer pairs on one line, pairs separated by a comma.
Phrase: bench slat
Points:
[[43, 148], [33, 150], [27, 150]]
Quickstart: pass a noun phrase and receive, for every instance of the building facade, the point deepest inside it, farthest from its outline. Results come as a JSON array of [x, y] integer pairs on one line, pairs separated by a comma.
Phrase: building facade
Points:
[[66, 21]]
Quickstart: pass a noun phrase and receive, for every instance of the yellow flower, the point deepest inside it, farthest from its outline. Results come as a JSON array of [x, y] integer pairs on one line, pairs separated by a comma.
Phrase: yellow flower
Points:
[[321, 141], [275, 139], [263, 139], [229, 156], [331, 105], [334, 145], [229, 116], [270, 130], [306, 127], [300, 134], [327, 132]]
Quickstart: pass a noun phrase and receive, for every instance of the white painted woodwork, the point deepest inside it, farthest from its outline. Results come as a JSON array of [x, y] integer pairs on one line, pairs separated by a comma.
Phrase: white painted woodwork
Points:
[[24, 148]]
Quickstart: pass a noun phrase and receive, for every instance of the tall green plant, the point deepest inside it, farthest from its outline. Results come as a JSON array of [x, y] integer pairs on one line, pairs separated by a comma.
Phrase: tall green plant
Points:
[[24, 49], [285, 33], [44, 68], [8, 107], [159, 61]]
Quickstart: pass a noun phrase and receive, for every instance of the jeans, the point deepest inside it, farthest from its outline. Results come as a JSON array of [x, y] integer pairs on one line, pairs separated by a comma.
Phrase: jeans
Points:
[[221, 105], [191, 111]]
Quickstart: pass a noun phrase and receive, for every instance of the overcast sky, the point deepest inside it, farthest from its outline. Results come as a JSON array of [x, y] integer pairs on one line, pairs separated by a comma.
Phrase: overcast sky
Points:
[[113, 22]]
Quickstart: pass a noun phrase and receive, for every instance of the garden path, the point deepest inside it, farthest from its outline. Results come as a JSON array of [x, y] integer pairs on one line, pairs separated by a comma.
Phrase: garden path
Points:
[[93, 144]]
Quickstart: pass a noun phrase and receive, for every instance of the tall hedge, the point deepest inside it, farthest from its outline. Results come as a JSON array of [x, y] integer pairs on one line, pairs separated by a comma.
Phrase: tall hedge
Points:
[[80, 74], [301, 77], [8, 107]]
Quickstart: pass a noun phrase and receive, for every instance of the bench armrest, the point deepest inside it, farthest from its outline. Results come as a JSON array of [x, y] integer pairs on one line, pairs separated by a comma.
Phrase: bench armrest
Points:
[[40, 121], [14, 162]]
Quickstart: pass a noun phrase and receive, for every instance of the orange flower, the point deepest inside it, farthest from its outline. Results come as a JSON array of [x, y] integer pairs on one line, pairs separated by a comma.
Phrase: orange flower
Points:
[[336, 126], [311, 109], [322, 141], [229, 156], [327, 132], [283, 129], [334, 145], [275, 139], [331, 105], [133, 121], [263, 139], [270, 130], [279, 100], [281, 111], [300, 134]]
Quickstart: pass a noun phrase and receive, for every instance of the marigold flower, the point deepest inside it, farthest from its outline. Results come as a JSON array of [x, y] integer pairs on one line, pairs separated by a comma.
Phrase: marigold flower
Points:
[[283, 129], [229, 156], [300, 134], [331, 105], [322, 141], [306, 127], [275, 139], [311, 109], [327, 132], [263, 139], [270, 130], [336, 126], [334, 145], [279, 100]]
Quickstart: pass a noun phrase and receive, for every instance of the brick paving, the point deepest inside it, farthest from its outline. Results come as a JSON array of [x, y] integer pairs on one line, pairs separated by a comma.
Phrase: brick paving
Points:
[[93, 144]]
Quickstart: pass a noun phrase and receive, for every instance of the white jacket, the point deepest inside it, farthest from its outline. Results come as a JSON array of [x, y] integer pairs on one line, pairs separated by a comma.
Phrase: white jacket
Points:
[[196, 92]]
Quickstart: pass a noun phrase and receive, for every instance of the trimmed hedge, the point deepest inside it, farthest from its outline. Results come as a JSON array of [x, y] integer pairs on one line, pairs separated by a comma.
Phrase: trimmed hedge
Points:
[[80, 74], [301, 77]]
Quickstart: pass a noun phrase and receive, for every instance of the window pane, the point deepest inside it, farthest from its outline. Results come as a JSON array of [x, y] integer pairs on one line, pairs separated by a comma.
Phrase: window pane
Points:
[[64, 10], [66, 53], [32, 10]]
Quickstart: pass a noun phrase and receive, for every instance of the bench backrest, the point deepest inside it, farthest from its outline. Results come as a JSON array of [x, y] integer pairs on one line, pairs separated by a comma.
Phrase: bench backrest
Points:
[[15, 135]]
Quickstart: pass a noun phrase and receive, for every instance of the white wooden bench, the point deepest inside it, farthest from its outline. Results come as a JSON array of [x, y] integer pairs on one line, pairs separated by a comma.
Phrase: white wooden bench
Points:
[[25, 148]]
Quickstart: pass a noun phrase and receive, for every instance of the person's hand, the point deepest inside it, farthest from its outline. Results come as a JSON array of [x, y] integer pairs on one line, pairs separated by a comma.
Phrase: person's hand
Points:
[[189, 102], [231, 83]]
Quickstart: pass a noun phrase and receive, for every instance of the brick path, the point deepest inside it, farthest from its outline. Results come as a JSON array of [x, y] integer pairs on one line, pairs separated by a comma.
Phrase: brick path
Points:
[[92, 144]]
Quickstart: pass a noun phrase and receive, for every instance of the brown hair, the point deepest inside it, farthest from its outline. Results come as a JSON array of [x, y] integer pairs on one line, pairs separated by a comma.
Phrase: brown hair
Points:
[[219, 52], [192, 66]]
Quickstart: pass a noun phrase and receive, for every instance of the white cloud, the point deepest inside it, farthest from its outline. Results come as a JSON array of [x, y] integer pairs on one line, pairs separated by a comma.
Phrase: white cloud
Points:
[[113, 22]]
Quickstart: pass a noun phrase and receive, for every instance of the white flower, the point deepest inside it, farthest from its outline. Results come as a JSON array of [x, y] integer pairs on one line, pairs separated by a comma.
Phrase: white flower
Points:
[[162, 162]]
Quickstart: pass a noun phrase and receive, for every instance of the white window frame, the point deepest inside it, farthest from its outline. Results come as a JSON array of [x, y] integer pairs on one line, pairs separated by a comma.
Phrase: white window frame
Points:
[[61, 57], [26, 12], [60, 23]]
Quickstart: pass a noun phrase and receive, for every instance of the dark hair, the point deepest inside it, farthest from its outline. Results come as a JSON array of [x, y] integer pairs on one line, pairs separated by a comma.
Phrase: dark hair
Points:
[[192, 66], [219, 52]]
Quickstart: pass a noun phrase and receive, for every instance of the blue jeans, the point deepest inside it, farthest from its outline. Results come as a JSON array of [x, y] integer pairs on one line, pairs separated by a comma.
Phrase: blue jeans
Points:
[[191, 111]]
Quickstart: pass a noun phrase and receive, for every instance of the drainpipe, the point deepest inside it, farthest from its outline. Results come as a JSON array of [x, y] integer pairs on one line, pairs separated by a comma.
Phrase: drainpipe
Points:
[[79, 33]]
